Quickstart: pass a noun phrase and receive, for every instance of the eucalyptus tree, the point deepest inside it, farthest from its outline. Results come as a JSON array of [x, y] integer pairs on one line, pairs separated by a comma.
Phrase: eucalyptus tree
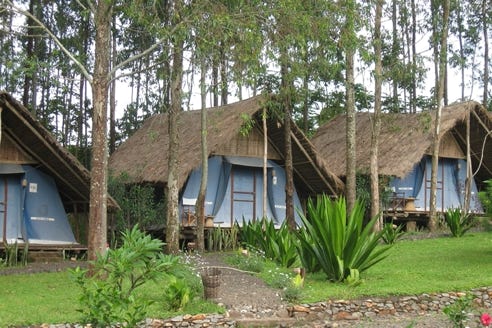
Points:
[[349, 46], [440, 78], [486, 15], [101, 13], [465, 33], [376, 123]]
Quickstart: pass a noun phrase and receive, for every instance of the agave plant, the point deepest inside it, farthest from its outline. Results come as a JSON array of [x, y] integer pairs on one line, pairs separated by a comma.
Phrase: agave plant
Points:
[[340, 243], [458, 221], [279, 245]]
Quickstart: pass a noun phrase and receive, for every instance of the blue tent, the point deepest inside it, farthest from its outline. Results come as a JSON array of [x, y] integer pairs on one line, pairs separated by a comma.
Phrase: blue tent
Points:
[[450, 185], [31, 207], [235, 191]]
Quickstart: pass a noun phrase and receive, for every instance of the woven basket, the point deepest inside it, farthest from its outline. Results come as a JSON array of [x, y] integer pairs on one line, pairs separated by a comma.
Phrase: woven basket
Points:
[[211, 282]]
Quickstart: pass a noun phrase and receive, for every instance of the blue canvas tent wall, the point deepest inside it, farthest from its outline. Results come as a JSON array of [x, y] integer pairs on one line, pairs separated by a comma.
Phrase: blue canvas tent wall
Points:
[[406, 140], [143, 156], [235, 193], [39, 180], [31, 207], [450, 186]]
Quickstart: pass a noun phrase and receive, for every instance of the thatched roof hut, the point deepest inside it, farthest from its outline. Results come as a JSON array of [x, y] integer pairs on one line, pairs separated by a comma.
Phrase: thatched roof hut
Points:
[[406, 138], [24, 140], [144, 155]]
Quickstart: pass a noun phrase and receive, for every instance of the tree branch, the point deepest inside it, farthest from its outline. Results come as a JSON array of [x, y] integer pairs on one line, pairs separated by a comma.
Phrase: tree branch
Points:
[[55, 39]]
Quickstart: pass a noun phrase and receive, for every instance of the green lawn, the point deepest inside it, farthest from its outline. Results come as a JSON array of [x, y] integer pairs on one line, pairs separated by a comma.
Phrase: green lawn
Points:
[[53, 298], [415, 267], [412, 267]]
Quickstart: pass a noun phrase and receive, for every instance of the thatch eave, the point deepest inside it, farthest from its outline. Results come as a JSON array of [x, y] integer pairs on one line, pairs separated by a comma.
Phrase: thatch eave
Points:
[[71, 177], [404, 138], [143, 157]]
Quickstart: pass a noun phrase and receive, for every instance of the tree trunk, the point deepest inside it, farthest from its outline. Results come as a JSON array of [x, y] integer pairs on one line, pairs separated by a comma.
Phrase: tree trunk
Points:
[[469, 175], [376, 124], [112, 97], [224, 92], [98, 187], [486, 25], [289, 176], [437, 127], [172, 227], [200, 202], [350, 185], [413, 100], [265, 159], [394, 50]]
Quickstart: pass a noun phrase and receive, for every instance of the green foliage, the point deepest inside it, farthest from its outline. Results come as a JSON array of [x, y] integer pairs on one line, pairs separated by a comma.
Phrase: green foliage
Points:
[[338, 241], [279, 245], [137, 203], [459, 311], [292, 294], [177, 294], [391, 233], [220, 239], [486, 198], [108, 295], [13, 255], [458, 221], [247, 125], [247, 261]]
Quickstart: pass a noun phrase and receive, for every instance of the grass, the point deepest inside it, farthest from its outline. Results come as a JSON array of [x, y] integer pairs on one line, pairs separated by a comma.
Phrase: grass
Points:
[[412, 267], [416, 267], [53, 298]]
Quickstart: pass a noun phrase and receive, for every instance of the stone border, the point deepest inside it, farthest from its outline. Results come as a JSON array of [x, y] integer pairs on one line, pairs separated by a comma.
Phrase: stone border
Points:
[[337, 310]]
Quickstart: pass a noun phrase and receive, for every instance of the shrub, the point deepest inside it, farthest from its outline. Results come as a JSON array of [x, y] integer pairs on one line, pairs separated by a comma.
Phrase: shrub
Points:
[[340, 243], [392, 233], [108, 294], [279, 245], [177, 294], [486, 197], [458, 221], [223, 239]]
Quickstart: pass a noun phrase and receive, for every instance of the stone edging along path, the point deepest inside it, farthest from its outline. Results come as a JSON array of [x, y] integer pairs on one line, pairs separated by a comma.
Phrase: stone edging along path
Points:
[[341, 310]]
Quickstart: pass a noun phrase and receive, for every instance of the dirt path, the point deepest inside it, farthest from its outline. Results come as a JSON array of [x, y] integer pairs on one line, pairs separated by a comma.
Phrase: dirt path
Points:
[[253, 304]]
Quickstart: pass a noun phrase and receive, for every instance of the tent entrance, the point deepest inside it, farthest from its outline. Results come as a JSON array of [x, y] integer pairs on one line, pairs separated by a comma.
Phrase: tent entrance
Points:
[[439, 186], [11, 208], [243, 192]]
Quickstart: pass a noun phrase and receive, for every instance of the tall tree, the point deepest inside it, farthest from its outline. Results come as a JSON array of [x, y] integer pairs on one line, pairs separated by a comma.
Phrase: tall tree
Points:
[[485, 29], [100, 83], [376, 123], [349, 46], [439, 102], [172, 191]]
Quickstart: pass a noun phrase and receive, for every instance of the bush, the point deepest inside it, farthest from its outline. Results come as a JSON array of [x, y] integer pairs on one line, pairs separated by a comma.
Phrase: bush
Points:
[[177, 294], [340, 243], [392, 233], [458, 221], [486, 198], [279, 245], [108, 294]]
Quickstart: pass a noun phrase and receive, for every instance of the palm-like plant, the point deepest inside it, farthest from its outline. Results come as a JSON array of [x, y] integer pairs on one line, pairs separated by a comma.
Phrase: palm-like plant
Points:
[[337, 242]]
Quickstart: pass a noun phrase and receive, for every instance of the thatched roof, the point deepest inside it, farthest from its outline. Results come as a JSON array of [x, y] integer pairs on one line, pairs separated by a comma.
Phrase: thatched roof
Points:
[[144, 155], [405, 138], [71, 177]]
